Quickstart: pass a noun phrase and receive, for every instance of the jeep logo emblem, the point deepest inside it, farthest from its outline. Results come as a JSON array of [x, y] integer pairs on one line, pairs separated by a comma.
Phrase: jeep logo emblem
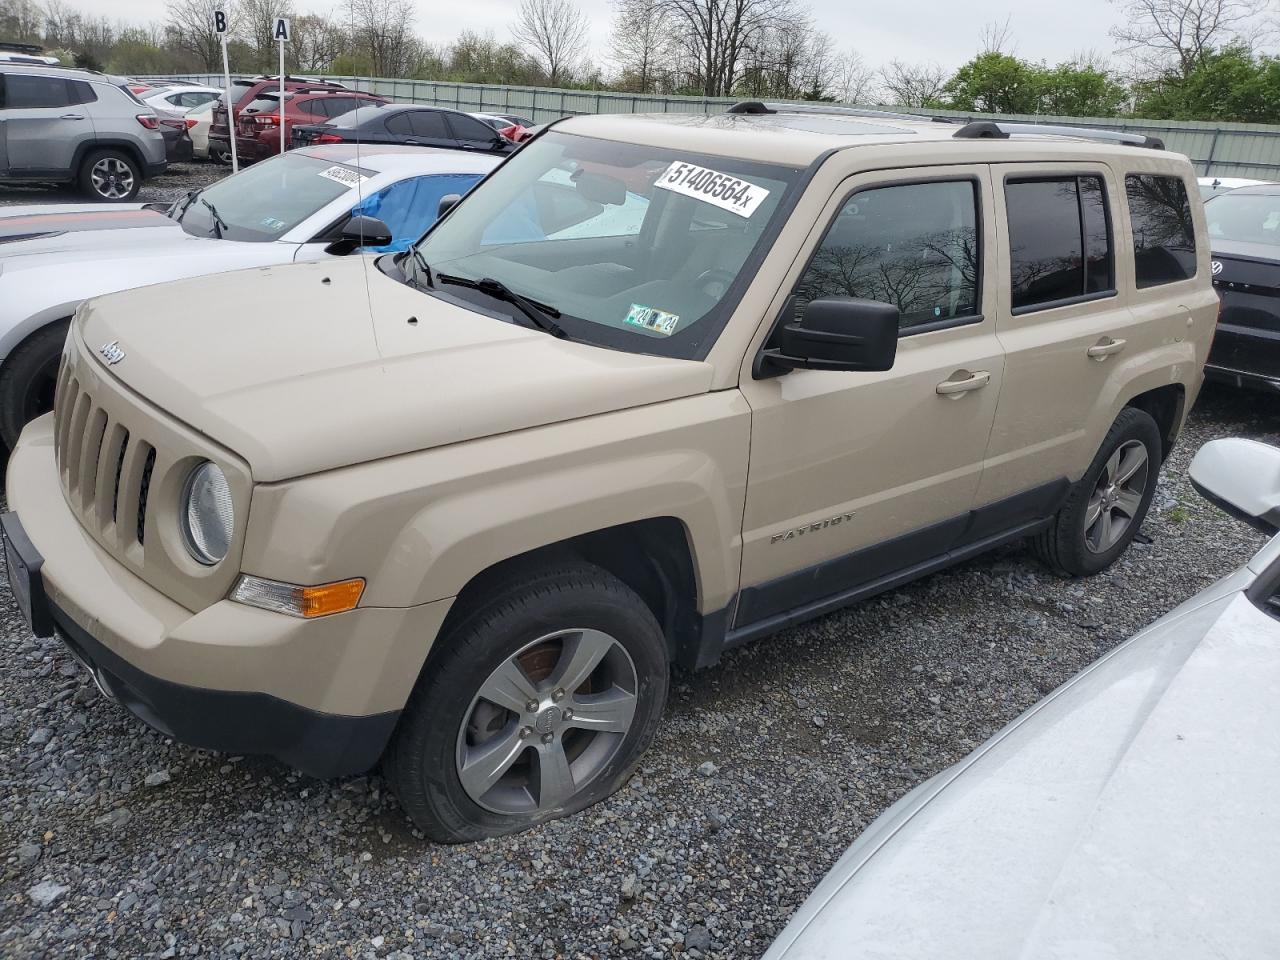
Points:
[[112, 352]]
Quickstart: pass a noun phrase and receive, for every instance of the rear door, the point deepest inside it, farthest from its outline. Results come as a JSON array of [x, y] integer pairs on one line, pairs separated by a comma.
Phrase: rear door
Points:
[[45, 121], [422, 128], [1068, 330], [471, 134]]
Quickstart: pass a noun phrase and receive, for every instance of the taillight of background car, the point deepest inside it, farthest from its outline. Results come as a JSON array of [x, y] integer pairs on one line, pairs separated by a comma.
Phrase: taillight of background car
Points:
[[148, 120]]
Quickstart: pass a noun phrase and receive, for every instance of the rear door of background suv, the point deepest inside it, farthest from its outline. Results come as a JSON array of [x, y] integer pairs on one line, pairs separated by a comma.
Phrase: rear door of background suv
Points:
[[46, 120], [856, 475]]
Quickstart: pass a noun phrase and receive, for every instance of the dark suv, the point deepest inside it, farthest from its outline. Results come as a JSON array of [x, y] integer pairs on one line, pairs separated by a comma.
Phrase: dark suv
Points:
[[76, 126], [245, 92]]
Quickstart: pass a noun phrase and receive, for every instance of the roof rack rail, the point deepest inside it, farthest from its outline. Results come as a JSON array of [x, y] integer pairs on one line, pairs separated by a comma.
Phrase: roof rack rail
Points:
[[760, 107], [1002, 130]]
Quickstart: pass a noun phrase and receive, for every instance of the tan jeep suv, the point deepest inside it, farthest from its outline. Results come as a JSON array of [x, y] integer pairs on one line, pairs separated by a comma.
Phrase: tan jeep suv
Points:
[[659, 385]]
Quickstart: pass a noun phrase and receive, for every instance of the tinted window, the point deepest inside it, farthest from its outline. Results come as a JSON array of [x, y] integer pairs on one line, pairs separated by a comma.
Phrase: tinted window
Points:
[[358, 117], [428, 124], [1164, 237], [1059, 239], [262, 104], [469, 128], [81, 92], [915, 246], [316, 107], [22, 92], [399, 125]]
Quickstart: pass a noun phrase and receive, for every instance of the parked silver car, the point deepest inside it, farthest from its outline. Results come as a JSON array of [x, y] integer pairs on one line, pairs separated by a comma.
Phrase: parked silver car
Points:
[[1131, 814], [76, 126], [287, 209]]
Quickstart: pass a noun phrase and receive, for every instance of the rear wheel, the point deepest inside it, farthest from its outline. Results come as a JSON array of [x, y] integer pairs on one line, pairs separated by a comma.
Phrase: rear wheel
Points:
[[1107, 506], [28, 379], [219, 153], [110, 175], [539, 704]]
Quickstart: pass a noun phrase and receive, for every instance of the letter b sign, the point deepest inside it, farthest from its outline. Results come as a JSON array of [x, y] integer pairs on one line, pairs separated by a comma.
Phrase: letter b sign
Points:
[[219, 21]]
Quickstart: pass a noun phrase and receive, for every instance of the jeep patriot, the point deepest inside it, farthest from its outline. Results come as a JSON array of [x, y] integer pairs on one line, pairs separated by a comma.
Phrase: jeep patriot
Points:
[[657, 386]]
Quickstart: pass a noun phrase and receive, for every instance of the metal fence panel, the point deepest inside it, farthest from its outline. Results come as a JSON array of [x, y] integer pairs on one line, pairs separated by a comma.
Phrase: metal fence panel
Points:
[[1221, 149]]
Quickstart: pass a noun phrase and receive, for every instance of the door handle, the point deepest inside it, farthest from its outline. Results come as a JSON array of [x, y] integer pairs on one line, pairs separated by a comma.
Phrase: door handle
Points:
[[72, 116], [1105, 348], [969, 381]]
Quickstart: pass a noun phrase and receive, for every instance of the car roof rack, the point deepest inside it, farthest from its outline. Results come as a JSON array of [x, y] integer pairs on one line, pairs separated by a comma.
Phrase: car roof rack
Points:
[[9, 46], [1002, 130], [756, 107]]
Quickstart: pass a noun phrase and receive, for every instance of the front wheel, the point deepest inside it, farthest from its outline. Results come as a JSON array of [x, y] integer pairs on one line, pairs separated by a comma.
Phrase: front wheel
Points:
[[28, 379], [1107, 506], [539, 704]]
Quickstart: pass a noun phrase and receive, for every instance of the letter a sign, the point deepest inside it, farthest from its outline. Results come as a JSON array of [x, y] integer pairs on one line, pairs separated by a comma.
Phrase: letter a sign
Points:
[[281, 31]]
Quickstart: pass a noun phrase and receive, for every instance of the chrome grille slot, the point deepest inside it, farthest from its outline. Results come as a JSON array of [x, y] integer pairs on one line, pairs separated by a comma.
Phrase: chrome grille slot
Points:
[[62, 423], [144, 488]]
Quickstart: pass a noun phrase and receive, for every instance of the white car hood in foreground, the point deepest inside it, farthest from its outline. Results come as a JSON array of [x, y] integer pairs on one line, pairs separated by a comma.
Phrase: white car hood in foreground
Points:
[[1133, 814]]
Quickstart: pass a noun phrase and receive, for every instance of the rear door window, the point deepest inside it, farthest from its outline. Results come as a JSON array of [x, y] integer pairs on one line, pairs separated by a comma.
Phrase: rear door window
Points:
[[470, 129], [1164, 236], [24, 92], [1060, 246], [428, 124]]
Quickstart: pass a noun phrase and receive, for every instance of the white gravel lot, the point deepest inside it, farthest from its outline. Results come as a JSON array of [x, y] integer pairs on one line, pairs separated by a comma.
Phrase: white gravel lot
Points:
[[116, 842]]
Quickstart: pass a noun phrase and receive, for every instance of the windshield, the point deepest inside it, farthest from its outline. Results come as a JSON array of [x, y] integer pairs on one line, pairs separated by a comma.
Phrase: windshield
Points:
[[267, 200], [636, 247], [1245, 217]]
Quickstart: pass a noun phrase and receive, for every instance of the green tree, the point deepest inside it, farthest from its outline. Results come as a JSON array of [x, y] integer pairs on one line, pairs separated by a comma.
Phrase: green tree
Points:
[[1230, 85], [1080, 91], [994, 82]]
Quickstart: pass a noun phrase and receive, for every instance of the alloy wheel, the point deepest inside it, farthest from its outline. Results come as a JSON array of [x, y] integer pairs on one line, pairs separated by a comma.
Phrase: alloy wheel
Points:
[[1117, 496], [547, 722], [112, 178]]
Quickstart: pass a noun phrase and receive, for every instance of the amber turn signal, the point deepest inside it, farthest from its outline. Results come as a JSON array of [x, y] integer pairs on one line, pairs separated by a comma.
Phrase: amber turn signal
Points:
[[305, 602]]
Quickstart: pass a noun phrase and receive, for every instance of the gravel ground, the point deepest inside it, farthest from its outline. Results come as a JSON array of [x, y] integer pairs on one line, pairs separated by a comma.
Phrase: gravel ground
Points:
[[115, 842], [170, 185]]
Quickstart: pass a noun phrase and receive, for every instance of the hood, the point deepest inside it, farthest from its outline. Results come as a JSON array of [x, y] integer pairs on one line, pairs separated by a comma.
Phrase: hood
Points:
[[1243, 250], [1130, 815], [308, 367], [81, 229]]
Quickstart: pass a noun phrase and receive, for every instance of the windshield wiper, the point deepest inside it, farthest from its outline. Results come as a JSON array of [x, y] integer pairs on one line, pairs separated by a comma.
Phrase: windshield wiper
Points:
[[419, 267], [540, 314], [219, 225]]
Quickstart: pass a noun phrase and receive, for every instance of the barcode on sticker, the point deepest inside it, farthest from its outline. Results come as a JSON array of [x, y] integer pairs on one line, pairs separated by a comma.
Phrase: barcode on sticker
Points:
[[344, 176], [726, 192]]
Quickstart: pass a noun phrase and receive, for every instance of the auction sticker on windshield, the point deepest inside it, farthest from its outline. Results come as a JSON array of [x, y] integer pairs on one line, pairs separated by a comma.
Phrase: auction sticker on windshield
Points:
[[343, 175], [726, 192]]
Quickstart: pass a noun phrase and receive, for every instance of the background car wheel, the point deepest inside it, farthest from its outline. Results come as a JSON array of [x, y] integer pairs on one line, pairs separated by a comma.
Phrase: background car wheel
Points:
[[110, 175], [1107, 506], [220, 154], [538, 704], [28, 378]]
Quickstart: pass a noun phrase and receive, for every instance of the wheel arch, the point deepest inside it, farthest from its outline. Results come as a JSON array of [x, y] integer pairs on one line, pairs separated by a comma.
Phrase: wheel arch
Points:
[[124, 146], [1166, 405]]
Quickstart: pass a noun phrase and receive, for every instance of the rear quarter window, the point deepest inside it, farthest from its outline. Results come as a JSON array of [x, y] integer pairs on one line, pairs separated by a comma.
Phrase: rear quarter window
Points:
[[1164, 237]]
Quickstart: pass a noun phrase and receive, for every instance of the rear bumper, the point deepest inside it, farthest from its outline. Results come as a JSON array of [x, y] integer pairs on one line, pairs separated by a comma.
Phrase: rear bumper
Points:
[[155, 169], [1245, 356], [253, 149]]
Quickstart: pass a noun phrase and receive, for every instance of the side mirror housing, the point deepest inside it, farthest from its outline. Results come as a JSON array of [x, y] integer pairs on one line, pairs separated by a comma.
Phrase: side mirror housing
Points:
[[1241, 477], [838, 333], [360, 231], [447, 203]]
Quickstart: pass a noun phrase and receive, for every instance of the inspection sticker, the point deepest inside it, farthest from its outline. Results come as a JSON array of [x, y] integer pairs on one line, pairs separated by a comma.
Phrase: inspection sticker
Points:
[[726, 192], [344, 175], [659, 321]]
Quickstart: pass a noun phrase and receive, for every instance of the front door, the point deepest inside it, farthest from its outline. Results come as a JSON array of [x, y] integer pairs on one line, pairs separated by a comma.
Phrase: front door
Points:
[[857, 476]]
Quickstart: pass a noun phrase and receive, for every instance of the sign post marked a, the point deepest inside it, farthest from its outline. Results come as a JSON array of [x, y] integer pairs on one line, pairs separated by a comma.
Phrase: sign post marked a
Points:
[[281, 34]]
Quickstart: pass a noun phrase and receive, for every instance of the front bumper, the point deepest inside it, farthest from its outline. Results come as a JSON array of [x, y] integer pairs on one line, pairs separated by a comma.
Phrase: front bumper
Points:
[[321, 695]]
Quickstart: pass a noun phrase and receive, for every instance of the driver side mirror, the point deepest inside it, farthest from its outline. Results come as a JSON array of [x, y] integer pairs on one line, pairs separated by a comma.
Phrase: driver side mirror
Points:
[[838, 333], [360, 231], [1241, 477], [447, 203]]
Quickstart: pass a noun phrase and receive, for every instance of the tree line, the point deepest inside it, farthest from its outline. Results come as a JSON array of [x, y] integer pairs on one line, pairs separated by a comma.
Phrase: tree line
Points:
[[1173, 59]]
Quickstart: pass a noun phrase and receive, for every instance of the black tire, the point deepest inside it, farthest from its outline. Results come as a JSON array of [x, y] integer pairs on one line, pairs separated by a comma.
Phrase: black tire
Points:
[[117, 181], [422, 761], [28, 377], [220, 154], [1065, 545]]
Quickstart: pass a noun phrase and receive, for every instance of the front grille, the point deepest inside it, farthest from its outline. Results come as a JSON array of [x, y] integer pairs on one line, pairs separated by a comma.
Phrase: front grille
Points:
[[105, 469]]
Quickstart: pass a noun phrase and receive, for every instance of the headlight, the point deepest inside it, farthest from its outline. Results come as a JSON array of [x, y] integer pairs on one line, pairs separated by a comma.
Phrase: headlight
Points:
[[208, 518]]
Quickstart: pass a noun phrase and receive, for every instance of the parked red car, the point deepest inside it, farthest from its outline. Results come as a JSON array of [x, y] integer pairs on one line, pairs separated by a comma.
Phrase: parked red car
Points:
[[258, 124], [244, 92]]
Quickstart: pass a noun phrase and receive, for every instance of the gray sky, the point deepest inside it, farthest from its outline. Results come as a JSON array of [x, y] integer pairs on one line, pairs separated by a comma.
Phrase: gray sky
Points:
[[943, 31]]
